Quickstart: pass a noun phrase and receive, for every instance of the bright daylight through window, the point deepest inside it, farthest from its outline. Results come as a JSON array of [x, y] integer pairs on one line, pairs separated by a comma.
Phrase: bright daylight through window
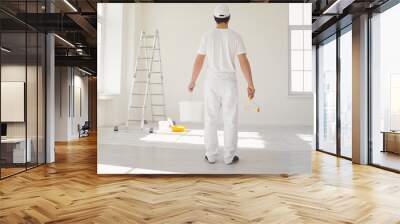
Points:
[[300, 55]]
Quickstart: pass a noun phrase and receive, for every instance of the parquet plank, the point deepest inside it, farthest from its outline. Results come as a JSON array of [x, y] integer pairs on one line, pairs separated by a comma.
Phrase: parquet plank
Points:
[[70, 191]]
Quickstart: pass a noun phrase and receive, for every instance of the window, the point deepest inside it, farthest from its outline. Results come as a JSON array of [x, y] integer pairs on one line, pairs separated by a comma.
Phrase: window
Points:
[[345, 83], [334, 95], [300, 49], [22, 87], [327, 96], [109, 49], [394, 101], [385, 89]]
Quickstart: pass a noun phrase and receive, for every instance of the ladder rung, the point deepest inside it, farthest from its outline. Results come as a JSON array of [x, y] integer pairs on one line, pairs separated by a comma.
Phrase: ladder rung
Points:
[[143, 70], [144, 82], [149, 82], [150, 47], [158, 61], [142, 94]]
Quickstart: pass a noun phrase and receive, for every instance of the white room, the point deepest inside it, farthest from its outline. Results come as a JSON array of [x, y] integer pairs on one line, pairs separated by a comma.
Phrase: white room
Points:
[[275, 128]]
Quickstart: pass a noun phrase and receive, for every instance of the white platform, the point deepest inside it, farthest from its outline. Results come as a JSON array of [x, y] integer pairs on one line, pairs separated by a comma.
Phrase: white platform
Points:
[[262, 150]]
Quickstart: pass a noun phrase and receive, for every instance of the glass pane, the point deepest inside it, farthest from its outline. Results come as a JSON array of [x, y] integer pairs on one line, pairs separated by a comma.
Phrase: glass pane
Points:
[[307, 13], [41, 99], [307, 39], [394, 101], [13, 86], [385, 90], [327, 97], [346, 94], [296, 14], [42, 6], [32, 6], [308, 81], [297, 81], [296, 39], [308, 60], [297, 60]]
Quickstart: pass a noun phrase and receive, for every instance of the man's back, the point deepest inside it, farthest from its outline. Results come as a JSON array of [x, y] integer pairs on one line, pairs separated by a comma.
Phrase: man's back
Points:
[[220, 47]]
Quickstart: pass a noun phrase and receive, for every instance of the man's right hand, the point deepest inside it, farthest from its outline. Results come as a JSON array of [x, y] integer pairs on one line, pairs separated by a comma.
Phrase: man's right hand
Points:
[[191, 86], [250, 91]]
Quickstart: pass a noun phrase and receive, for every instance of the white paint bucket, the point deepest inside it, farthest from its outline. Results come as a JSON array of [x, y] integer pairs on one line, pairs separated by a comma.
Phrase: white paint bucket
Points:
[[164, 126], [191, 111]]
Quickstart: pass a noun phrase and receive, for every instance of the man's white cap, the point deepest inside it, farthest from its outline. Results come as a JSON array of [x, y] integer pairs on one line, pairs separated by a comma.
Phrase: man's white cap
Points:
[[221, 11]]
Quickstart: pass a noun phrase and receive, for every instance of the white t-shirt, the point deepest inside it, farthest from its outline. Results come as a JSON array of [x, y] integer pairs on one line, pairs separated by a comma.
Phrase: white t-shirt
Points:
[[220, 47]]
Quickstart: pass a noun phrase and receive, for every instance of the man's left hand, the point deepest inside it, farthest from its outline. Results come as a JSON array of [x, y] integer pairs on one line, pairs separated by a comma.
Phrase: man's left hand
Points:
[[191, 86]]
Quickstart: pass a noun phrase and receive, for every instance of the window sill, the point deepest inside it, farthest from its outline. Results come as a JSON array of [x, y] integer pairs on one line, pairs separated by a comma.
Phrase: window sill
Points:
[[301, 95]]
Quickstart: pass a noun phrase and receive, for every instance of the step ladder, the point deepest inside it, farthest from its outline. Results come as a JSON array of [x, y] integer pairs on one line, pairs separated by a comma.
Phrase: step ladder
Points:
[[147, 88]]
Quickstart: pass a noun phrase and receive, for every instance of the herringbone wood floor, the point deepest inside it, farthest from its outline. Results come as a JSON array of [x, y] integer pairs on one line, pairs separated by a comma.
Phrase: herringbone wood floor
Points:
[[69, 191]]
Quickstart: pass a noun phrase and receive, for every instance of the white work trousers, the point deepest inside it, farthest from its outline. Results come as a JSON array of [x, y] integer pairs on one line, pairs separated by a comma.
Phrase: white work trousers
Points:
[[220, 91]]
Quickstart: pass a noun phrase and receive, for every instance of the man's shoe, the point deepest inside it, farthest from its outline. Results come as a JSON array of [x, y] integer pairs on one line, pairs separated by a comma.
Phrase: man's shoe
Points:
[[209, 161], [234, 160]]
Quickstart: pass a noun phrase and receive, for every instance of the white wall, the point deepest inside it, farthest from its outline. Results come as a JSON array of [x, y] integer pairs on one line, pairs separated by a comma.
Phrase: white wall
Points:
[[264, 29], [17, 73], [62, 81], [81, 114], [66, 121], [33, 126]]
